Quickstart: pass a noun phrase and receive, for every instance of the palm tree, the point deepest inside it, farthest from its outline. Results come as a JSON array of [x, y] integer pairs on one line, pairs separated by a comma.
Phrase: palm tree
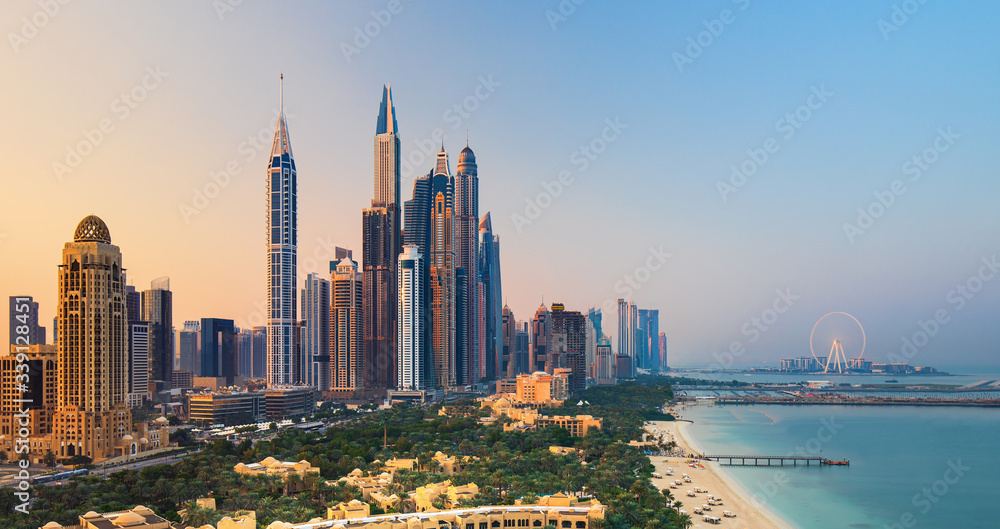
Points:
[[49, 458], [198, 516], [406, 503], [667, 496]]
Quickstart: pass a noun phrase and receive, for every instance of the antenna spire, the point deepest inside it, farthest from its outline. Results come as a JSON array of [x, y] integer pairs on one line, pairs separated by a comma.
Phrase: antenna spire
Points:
[[466, 137], [281, 94]]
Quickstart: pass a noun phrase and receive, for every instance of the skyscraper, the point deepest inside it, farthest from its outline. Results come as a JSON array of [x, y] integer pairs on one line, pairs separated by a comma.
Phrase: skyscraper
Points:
[[133, 303], [594, 334], [508, 359], [346, 335], [443, 277], [628, 326], [381, 245], [25, 321], [417, 233], [92, 418], [411, 355], [522, 351], [138, 355], [258, 353], [662, 338], [218, 349], [282, 285], [471, 358], [604, 363], [157, 309], [541, 336], [189, 347], [493, 314], [316, 346], [572, 325], [244, 353], [649, 339]]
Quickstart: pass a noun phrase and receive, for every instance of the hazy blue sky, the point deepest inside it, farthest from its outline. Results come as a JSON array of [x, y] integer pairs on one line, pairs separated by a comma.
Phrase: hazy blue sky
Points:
[[844, 95]]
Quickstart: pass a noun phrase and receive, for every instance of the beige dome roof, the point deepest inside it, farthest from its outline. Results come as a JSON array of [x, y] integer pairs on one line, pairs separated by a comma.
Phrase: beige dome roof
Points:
[[129, 519], [91, 514], [92, 229], [268, 461], [52, 525]]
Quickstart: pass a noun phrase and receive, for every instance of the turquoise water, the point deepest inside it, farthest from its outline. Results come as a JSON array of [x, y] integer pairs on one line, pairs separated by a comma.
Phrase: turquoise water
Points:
[[910, 467]]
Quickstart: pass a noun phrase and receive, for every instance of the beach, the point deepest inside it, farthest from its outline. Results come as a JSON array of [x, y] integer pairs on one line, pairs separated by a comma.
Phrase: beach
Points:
[[735, 499]]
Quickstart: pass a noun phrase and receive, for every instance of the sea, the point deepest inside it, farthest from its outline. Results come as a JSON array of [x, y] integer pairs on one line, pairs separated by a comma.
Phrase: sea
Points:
[[922, 467]]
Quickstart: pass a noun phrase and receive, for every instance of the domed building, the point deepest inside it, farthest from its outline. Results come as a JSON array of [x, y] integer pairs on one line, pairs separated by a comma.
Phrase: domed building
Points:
[[84, 413]]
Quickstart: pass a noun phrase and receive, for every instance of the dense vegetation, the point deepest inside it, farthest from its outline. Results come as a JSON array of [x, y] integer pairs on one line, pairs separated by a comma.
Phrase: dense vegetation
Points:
[[505, 465]]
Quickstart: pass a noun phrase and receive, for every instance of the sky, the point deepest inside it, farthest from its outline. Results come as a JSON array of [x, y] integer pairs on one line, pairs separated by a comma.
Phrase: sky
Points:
[[744, 167]]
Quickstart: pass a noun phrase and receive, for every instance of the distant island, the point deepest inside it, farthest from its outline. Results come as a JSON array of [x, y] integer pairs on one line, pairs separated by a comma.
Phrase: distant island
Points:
[[810, 366]]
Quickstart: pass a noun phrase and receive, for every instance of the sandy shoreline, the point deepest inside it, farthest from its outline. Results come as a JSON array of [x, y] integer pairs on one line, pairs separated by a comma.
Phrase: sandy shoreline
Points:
[[749, 514]]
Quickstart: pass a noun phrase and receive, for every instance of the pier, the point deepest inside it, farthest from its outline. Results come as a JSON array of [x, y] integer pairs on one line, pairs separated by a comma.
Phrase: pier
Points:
[[762, 461], [839, 400]]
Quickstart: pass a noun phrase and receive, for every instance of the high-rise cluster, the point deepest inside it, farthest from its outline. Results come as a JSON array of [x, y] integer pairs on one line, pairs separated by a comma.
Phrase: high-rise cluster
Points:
[[423, 311], [641, 345]]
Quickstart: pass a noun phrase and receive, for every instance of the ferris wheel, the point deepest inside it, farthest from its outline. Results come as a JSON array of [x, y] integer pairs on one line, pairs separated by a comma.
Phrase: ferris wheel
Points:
[[836, 331]]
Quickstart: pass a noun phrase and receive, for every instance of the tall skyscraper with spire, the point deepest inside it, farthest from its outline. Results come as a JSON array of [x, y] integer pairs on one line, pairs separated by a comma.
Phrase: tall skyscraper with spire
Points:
[[381, 245], [443, 277], [471, 358], [282, 284]]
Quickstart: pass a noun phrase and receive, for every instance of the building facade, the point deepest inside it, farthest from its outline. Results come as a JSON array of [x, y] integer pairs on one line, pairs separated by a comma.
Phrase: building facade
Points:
[[226, 408], [138, 354], [42, 362]]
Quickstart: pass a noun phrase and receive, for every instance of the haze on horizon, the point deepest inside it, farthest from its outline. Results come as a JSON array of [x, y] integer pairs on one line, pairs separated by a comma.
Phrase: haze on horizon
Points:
[[819, 108]]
